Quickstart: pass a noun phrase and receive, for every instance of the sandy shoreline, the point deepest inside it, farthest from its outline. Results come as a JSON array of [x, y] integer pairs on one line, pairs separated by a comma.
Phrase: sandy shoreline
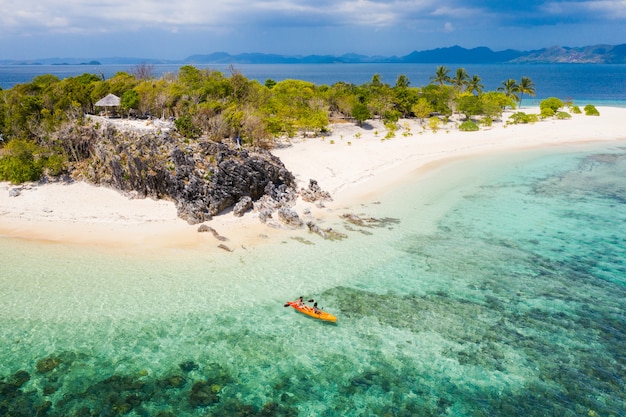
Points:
[[353, 163]]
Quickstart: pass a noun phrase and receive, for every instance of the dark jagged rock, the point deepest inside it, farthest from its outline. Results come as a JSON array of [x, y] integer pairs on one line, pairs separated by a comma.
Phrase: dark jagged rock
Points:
[[328, 233], [314, 193], [242, 206], [203, 394], [224, 247], [47, 364], [202, 177], [289, 217]]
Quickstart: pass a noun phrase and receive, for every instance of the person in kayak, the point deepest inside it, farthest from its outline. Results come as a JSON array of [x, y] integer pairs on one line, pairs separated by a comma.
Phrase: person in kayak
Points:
[[315, 309], [301, 302]]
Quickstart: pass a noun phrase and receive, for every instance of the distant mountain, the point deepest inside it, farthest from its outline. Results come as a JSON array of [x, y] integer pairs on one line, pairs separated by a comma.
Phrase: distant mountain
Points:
[[595, 54]]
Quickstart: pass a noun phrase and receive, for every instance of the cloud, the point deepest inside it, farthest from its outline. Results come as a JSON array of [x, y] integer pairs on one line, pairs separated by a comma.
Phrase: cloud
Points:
[[297, 25]]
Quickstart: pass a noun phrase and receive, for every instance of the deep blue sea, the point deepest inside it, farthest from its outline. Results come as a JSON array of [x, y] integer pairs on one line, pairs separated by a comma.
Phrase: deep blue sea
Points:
[[584, 83], [495, 286]]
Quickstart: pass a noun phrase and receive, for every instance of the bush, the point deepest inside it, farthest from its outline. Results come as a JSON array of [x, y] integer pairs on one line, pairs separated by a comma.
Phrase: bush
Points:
[[21, 162], [551, 103], [468, 126], [576, 110], [522, 118], [590, 110], [562, 115], [434, 123], [486, 121], [547, 112], [186, 127]]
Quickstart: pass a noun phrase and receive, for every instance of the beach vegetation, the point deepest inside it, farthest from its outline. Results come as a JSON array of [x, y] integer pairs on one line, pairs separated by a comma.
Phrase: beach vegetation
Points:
[[575, 109], [474, 85], [422, 109], [522, 118], [224, 105], [510, 88], [360, 113], [526, 86], [563, 115], [21, 161], [590, 110], [468, 126], [460, 80], [486, 121], [441, 77], [434, 123], [551, 103]]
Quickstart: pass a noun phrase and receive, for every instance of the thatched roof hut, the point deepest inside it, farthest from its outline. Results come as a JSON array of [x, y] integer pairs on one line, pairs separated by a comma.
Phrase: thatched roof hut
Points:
[[109, 101]]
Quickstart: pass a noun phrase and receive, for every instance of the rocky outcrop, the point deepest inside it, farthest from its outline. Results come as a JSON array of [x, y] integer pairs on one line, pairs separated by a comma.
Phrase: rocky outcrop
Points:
[[242, 206], [315, 194], [202, 177]]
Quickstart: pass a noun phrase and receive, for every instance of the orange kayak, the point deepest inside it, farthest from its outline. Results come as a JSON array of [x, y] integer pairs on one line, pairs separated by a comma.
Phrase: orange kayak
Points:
[[320, 315]]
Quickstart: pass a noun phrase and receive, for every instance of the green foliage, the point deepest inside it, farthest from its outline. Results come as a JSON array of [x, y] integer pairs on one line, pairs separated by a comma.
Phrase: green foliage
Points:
[[576, 110], [129, 100], [360, 113], [469, 105], [552, 103], [468, 126], [486, 121], [590, 110], [434, 123], [186, 127], [547, 112], [21, 162], [562, 115], [522, 118], [391, 116]]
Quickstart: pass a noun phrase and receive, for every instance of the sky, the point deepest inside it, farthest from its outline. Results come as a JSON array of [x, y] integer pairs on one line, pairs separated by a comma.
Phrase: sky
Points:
[[168, 29]]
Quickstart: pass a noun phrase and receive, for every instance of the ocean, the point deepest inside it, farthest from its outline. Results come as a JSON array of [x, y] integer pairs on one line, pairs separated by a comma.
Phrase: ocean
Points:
[[491, 286], [582, 83]]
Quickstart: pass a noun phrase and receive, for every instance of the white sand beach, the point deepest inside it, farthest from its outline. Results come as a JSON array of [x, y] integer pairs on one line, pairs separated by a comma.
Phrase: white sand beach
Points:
[[353, 163]]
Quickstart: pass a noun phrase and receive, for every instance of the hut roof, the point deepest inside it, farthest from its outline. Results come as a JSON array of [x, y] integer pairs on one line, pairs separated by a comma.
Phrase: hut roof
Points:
[[109, 101]]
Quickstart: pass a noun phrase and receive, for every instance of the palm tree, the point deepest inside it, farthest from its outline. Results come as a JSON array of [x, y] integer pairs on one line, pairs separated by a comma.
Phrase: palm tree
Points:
[[474, 85], [441, 76], [460, 79], [510, 88], [526, 86]]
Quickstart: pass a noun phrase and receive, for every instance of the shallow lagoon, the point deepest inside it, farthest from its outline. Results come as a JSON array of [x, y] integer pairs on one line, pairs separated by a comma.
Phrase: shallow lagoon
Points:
[[495, 287]]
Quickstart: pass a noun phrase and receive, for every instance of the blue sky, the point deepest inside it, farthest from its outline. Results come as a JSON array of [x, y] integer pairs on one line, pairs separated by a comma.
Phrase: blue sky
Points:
[[176, 29]]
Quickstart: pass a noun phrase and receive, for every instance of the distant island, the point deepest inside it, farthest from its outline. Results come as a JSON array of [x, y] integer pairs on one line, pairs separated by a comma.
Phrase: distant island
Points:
[[594, 54]]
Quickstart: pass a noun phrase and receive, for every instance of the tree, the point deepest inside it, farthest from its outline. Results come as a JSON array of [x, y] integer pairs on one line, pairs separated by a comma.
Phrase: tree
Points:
[[441, 76], [422, 109], [361, 113], [526, 86], [129, 100], [510, 89], [402, 81], [474, 85], [460, 79]]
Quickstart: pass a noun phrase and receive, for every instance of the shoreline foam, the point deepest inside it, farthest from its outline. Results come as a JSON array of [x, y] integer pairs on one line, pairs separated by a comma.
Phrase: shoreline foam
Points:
[[353, 163]]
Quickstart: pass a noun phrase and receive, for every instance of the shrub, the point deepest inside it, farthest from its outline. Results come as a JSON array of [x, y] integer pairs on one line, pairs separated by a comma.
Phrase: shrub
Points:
[[562, 115], [547, 112], [486, 121], [21, 162], [576, 110], [552, 103], [590, 110], [468, 126], [518, 118], [434, 123]]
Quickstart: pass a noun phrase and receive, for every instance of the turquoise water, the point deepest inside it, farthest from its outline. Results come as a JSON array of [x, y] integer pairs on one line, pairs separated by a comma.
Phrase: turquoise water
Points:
[[493, 286]]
